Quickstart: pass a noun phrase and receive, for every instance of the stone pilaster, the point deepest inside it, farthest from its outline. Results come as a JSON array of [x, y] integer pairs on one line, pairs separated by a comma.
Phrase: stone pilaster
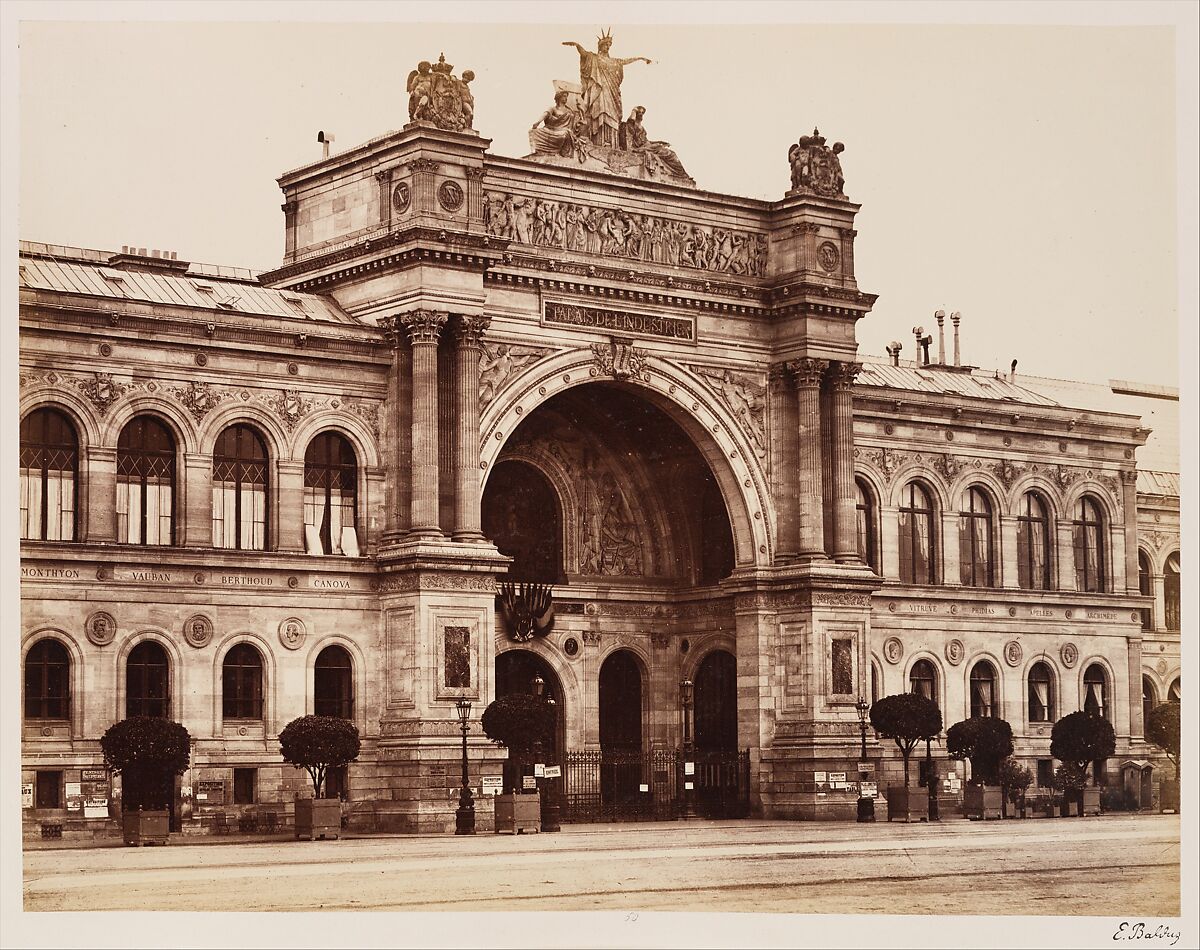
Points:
[[291, 506], [100, 513], [289, 209], [468, 338], [841, 404], [1134, 648], [1129, 509], [196, 516], [424, 327], [784, 460], [808, 375]]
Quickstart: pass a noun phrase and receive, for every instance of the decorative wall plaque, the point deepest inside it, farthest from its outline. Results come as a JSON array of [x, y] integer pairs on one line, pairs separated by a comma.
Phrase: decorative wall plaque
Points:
[[571, 647], [893, 649], [401, 197], [450, 195], [292, 633], [198, 630], [955, 652], [828, 256], [1069, 654], [457, 643], [1012, 653], [101, 628]]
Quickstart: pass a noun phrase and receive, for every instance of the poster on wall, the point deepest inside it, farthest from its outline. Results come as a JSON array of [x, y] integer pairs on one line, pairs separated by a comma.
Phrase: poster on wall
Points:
[[26, 794], [74, 796]]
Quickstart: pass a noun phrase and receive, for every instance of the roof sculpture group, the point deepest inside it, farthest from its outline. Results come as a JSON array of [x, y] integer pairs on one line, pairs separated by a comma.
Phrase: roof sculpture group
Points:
[[584, 126]]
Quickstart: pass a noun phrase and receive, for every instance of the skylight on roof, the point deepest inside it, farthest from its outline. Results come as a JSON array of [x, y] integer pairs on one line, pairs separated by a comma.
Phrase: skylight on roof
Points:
[[229, 302], [203, 287], [114, 275]]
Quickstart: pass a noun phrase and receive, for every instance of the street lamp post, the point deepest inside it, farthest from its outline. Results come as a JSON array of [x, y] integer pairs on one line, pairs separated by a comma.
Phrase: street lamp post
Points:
[[550, 801], [866, 804], [689, 781], [464, 817]]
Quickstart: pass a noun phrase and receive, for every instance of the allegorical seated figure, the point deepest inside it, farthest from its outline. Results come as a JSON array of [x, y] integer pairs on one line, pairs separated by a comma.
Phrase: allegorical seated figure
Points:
[[559, 124], [634, 139]]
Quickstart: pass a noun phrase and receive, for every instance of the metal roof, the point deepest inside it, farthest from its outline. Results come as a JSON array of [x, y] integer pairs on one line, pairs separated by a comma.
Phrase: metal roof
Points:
[[1158, 483], [84, 271], [927, 379]]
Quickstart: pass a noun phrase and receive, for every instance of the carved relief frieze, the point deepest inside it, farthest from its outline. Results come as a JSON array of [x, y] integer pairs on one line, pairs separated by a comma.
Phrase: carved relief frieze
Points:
[[199, 398], [500, 362], [743, 395], [618, 358], [290, 406], [409, 581], [100, 389]]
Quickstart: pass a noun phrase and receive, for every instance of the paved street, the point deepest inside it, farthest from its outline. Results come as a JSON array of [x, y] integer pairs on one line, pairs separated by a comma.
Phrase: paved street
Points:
[[1114, 865]]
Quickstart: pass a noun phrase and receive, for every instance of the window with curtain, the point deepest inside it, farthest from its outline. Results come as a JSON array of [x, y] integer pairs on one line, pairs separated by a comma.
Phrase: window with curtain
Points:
[[867, 522], [330, 480], [1095, 691], [1149, 699], [242, 683], [146, 483], [916, 536], [1033, 544], [1041, 694], [333, 684], [147, 683], [49, 476], [922, 680], [1145, 588], [1171, 593], [1089, 546], [975, 541], [48, 681], [240, 490], [983, 690]]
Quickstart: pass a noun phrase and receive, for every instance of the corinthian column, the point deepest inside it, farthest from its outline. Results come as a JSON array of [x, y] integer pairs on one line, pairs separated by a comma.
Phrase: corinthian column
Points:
[[808, 375], [841, 406], [468, 338], [424, 327]]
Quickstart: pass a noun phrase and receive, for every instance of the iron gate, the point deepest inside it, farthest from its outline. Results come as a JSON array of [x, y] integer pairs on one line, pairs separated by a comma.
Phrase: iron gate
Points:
[[650, 786]]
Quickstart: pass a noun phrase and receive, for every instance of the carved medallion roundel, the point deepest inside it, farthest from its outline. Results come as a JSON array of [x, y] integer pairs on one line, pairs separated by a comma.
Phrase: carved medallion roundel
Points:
[[101, 628], [450, 195], [1012, 653], [828, 256], [955, 652], [1069, 654], [292, 632], [893, 649], [198, 631], [401, 197]]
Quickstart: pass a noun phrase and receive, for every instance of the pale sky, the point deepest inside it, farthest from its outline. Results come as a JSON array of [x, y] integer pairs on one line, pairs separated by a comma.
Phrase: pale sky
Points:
[[1023, 175]]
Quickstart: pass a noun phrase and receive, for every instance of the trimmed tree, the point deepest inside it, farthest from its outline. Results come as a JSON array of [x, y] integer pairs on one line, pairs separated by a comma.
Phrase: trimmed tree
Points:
[[1081, 738], [519, 722], [906, 718], [148, 752], [984, 740], [1162, 729], [318, 744], [1015, 779]]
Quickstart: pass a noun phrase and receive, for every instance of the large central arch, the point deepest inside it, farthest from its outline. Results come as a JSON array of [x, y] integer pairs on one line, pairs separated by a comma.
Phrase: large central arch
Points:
[[680, 394]]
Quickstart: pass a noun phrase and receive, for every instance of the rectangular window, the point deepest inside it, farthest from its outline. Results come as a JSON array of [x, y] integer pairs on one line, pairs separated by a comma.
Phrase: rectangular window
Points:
[[458, 657], [842, 662], [244, 781], [49, 789], [1045, 772]]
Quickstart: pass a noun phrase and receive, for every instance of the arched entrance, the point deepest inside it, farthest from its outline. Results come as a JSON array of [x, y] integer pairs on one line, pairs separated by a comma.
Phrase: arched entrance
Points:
[[515, 673], [620, 729], [522, 515], [716, 703]]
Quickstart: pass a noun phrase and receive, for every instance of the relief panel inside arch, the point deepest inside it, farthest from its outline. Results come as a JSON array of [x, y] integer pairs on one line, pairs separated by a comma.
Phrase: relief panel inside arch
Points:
[[597, 482]]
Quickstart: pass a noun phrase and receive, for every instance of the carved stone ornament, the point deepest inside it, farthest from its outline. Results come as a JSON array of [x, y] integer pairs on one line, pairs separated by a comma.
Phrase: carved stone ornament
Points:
[[807, 374], [450, 195], [198, 398], [955, 652], [619, 359], [948, 465], [744, 397], [1069, 655], [101, 628], [423, 326], [401, 197], [290, 406], [571, 647], [828, 256], [816, 167], [101, 389], [1013, 653], [198, 630], [1006, 471], [439, 98], [893, 650], [499, 362], [292, 633], [1161, 666], [468, 331], [841, 374]]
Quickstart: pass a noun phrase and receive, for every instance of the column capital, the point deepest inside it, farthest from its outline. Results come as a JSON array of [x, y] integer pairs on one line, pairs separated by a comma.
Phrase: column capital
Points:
[[807, 373], [779, 376], [841, 374], [423, 326], [468, 331]]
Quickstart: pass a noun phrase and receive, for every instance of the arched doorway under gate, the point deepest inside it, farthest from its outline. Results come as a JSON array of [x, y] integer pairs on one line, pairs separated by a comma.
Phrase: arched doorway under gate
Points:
[[516, 672], [621, 765], [721, 773]]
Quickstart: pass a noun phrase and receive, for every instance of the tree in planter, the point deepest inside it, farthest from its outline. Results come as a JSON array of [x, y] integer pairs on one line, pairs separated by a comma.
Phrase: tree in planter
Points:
[[1162, 729], [521, 723], [1015, 779], [906, 718], [318, 744], [148, 752], [984, 740], [1078, 740]]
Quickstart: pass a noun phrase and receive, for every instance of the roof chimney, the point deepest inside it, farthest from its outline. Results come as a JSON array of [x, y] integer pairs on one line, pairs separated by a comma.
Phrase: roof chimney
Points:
[[955, 318], [1012, 371], [940, 317], [923, 342], [159, 262], [893, 350], [325, 138]]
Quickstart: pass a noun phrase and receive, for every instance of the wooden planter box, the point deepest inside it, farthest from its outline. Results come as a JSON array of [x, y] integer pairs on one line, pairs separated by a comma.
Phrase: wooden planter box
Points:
[[518, 813], [907, 804], [983, 801], [1168, 796], [146, 827], [318, 818], [1091, 800]]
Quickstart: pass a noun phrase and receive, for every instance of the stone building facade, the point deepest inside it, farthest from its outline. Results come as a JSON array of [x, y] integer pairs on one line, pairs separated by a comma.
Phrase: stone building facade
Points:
[[301, 489]]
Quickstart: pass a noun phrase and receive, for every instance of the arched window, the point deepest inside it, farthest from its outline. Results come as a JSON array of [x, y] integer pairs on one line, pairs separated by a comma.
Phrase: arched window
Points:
[[330, 481], [975, 541], [147, 683], [49, 476], [333, 684], [1171, 593], [1033, 544], [983, 689], [1095, 691], [1145, 588], [1041, 693], [145, 483], [922, 680], [865, 505], [1149, 699], [916, 536], [874, 684], [242, 683], [1173, 692], [48, 681], [240, 490], [1089, 546]]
